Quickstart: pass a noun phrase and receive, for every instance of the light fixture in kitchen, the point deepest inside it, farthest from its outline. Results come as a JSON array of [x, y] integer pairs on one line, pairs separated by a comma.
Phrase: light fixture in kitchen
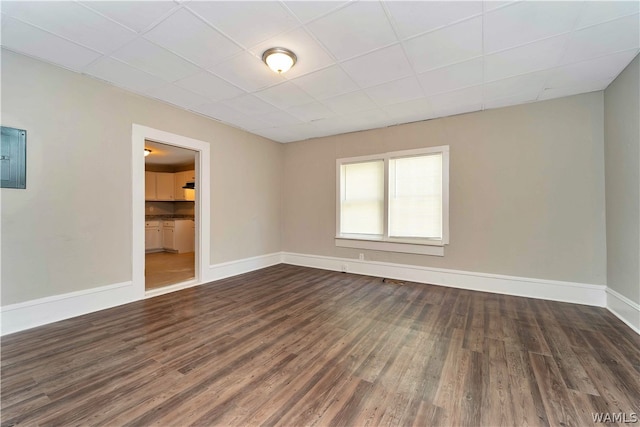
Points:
[[279, 59], [147, 152]]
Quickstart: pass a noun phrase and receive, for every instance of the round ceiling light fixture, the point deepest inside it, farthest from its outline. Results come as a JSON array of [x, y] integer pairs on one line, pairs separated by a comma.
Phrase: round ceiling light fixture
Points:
[[147, 152], [279, 59]]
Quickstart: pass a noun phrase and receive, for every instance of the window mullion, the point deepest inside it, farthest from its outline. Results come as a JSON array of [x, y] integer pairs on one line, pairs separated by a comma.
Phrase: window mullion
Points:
[[386, 200]]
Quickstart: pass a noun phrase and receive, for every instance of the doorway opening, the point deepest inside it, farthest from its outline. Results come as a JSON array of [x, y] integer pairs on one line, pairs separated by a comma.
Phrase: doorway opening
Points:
[[140, 137], [170, 197]]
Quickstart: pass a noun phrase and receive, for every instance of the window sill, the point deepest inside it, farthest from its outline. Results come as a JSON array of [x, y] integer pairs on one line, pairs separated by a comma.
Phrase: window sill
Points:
[[434, 249]]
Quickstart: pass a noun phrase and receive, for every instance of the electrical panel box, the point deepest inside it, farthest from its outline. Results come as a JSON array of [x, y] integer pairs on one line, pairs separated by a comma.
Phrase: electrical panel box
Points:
[[13, 158]]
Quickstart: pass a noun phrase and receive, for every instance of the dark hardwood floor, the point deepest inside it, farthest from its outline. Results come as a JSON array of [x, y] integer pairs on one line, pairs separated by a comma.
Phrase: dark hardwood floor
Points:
[[297, 346]]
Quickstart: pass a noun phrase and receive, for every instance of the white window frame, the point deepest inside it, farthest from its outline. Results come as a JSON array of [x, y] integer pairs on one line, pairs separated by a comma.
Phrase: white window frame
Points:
[[384, 242]]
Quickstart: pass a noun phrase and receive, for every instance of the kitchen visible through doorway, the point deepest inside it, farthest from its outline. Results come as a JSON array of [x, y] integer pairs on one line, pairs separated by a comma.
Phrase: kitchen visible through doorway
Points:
[[170, 197]]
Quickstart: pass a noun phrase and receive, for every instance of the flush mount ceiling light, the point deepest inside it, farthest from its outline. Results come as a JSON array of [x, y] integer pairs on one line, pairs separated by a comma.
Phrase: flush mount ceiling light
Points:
[[147, 152], [279, 59]]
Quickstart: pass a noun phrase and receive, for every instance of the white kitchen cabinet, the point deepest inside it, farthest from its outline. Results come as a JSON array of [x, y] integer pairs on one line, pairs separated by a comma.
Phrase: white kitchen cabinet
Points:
[[159, 186], [164, 186], [149, 185], [177, 235], [152, 236], [181, 179]]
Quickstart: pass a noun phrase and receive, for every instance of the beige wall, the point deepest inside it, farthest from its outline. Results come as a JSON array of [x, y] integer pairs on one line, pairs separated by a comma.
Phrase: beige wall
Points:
[[71, 228], [622, 160], [527, 190]]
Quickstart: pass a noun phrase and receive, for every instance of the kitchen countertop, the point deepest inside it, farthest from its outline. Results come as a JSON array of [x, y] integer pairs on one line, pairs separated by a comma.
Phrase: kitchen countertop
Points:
[[167, 217]]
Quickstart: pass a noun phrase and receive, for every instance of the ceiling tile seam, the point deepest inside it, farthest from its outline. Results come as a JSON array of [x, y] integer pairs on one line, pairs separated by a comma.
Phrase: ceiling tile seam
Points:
[[46, 61], [563, 33], [224, 34], [577, 28], [634, 49], [181, 88], [53, 34], [315, 18], [171, 52], [395, 30], [564, 50], [442, 27], [451, 64], [247, 49], [148, 28], [204, 21], [200, 69], [217, 120], [205, 71]]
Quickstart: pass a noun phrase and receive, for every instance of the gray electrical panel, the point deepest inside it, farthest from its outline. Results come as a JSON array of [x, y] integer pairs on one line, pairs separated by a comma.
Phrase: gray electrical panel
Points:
[[13, 158]]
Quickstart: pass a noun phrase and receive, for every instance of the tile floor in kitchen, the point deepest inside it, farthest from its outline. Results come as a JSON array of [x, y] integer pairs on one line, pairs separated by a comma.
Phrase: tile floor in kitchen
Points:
[[166, 268]]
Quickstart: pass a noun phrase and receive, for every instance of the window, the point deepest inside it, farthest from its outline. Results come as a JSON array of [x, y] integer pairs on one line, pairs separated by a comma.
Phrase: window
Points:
[[394, 201]]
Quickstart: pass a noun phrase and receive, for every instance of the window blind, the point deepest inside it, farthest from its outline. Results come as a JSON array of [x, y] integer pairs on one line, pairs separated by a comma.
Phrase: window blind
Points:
[[362, 198], [415, 196]]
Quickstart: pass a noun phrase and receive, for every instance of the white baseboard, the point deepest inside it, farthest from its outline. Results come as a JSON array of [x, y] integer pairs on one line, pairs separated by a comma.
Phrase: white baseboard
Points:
[[241, 266], [578, 293], [38, 312], [29, 314], [624, 309]]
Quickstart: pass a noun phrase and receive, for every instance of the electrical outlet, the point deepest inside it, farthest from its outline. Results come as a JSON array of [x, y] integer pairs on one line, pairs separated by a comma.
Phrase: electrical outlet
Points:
[[343, 268], [361, 257]]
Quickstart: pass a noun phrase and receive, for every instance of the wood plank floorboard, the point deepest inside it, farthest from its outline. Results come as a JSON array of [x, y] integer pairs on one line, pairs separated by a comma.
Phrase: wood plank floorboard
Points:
[[295, 346]]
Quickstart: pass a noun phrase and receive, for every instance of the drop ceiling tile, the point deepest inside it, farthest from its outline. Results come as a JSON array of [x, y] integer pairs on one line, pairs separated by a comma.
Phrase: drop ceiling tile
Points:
[[395, 92], [311, 112], [307, 10], [521, 98], [353, 30], [457, 102], [525, 59], [249, 104], [453, 77], [527, 21], [551, 93], [275, 134], [247, 72], [29, 40], [247, 22], [279, 118], [381, 66], [596, 12], [410, 111], [123, 75], [285, 96], [311, 56], [415, 17], [137, 15], [350, 103], [250, 123], [155, 60], [603, 39], [177, 96], [210, 86], [599, 69], [188, 36], [491, 5], [326, 83], [221, 112], [526, 87], [71, 21], [456, 43], [368, 119]]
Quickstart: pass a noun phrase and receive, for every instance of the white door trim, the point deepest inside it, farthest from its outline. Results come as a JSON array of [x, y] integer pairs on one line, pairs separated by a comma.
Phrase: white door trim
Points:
[[203, 200]]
